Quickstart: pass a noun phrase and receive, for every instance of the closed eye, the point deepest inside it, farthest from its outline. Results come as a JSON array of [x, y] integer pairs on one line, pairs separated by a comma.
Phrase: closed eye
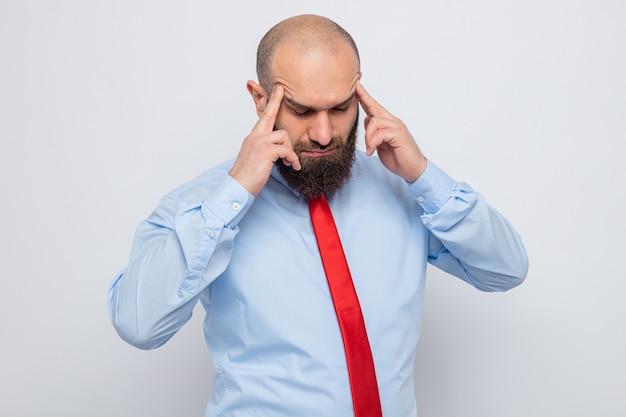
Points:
[[301, 113]]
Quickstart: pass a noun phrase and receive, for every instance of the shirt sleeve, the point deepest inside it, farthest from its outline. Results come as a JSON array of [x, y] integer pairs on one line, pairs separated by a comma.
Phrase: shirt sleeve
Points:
[[177, 252], [469, 239]]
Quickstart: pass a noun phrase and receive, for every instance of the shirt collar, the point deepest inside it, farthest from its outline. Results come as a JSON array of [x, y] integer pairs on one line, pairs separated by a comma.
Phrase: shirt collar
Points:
[[276, 175]]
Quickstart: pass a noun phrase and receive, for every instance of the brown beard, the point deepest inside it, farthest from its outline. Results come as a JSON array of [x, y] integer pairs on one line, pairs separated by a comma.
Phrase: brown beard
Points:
[[322, 174]]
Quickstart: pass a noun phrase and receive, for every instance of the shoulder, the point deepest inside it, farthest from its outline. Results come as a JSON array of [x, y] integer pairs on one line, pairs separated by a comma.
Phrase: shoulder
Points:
[[203, 185], [370, 170]]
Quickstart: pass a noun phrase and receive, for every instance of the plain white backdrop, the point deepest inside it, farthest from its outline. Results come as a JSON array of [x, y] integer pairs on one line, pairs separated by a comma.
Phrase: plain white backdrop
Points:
[[107, 105]]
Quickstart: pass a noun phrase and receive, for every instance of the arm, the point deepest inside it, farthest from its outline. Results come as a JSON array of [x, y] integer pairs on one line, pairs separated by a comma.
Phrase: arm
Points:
[[469, 238], [188, 240], [177, 252]]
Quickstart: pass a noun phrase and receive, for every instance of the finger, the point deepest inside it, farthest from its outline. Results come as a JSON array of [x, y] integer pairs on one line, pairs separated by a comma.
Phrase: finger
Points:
[[289, 157], [372, 141], [284, 149], [381, 131], [268, 118], [293, 162], [371, 106], [366, 122], [379, 138]]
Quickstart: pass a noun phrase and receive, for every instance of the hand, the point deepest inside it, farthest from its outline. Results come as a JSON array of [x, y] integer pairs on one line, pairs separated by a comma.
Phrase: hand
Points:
[[390, 137], [262, 147]]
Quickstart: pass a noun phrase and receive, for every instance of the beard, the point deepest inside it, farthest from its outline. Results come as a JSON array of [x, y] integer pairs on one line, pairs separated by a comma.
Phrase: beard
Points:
[[322, 174]]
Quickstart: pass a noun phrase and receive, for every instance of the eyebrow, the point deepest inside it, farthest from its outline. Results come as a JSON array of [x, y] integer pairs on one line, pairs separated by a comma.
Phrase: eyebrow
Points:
[[294, 103]]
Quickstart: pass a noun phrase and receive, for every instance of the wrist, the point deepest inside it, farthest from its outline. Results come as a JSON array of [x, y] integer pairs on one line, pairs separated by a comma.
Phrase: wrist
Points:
[[418, 170]]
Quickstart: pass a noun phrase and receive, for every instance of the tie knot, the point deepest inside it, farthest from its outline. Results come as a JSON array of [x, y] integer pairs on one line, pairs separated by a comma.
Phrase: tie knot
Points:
[[317, 199], [318, 204]]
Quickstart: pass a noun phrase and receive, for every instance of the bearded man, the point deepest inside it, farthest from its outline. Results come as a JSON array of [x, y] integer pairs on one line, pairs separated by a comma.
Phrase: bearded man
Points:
[[242, 239]]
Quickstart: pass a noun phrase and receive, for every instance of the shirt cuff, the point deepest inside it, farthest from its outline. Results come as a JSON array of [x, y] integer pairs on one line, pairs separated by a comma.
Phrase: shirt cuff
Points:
[[229, 202], [432, 189]]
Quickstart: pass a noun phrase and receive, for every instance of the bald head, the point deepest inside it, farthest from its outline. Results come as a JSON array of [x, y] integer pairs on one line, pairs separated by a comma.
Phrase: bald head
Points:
[[305, 33]]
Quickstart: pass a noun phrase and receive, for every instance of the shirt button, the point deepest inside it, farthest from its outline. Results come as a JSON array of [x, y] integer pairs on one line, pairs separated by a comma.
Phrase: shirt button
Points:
[[236, 206], [421, 198], [212, 235]]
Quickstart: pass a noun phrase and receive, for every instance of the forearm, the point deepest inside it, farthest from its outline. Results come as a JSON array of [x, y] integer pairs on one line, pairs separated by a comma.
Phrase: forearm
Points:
[[470, 239], [178, 251], [146, 302]]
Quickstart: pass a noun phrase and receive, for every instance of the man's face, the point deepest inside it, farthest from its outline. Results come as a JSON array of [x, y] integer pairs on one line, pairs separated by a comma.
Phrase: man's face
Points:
[[327, 171], [320, 113]]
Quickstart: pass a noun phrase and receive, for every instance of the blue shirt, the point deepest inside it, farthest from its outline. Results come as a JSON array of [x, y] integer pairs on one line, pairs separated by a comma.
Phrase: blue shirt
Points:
[[254, 265]]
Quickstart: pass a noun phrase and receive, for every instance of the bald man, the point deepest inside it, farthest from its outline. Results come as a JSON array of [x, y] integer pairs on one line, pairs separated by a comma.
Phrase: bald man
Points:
[[240, 240]]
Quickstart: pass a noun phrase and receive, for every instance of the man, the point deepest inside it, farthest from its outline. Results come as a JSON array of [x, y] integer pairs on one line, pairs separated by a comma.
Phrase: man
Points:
[[239, 239]]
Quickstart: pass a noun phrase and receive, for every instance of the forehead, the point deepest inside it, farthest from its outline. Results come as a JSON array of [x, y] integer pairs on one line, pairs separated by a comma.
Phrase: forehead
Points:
[[317, 77]]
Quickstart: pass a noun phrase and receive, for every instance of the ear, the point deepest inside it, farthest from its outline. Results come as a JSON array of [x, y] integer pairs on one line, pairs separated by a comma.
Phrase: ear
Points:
[[259, 96]]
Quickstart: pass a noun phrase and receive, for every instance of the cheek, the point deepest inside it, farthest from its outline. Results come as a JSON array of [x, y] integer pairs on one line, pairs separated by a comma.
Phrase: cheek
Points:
[[295, 128], [344, 122]]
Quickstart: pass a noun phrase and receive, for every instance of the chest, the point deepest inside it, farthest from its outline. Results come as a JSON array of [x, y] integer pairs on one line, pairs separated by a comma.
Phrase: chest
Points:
[[276, 270]]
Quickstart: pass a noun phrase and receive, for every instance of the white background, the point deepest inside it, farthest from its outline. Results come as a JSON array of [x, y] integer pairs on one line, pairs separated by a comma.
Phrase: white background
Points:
[[107, 105]]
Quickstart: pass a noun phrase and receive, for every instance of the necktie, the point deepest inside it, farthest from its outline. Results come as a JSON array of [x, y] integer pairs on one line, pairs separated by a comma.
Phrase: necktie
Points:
[[361, 371]]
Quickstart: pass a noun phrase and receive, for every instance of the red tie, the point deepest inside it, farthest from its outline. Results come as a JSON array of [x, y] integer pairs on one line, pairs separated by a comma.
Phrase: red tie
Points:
[[361, 371]]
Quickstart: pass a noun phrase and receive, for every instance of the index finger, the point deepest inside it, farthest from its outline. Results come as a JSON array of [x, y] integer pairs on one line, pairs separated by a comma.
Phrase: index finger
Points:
[[268, 118], [371, 106]]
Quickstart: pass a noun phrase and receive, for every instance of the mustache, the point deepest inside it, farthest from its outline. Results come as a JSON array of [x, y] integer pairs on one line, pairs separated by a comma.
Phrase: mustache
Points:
[[336, 142], [316, 147]]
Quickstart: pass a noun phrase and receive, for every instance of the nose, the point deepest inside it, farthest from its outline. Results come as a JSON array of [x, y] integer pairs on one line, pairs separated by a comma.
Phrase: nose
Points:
[[321, 130]]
